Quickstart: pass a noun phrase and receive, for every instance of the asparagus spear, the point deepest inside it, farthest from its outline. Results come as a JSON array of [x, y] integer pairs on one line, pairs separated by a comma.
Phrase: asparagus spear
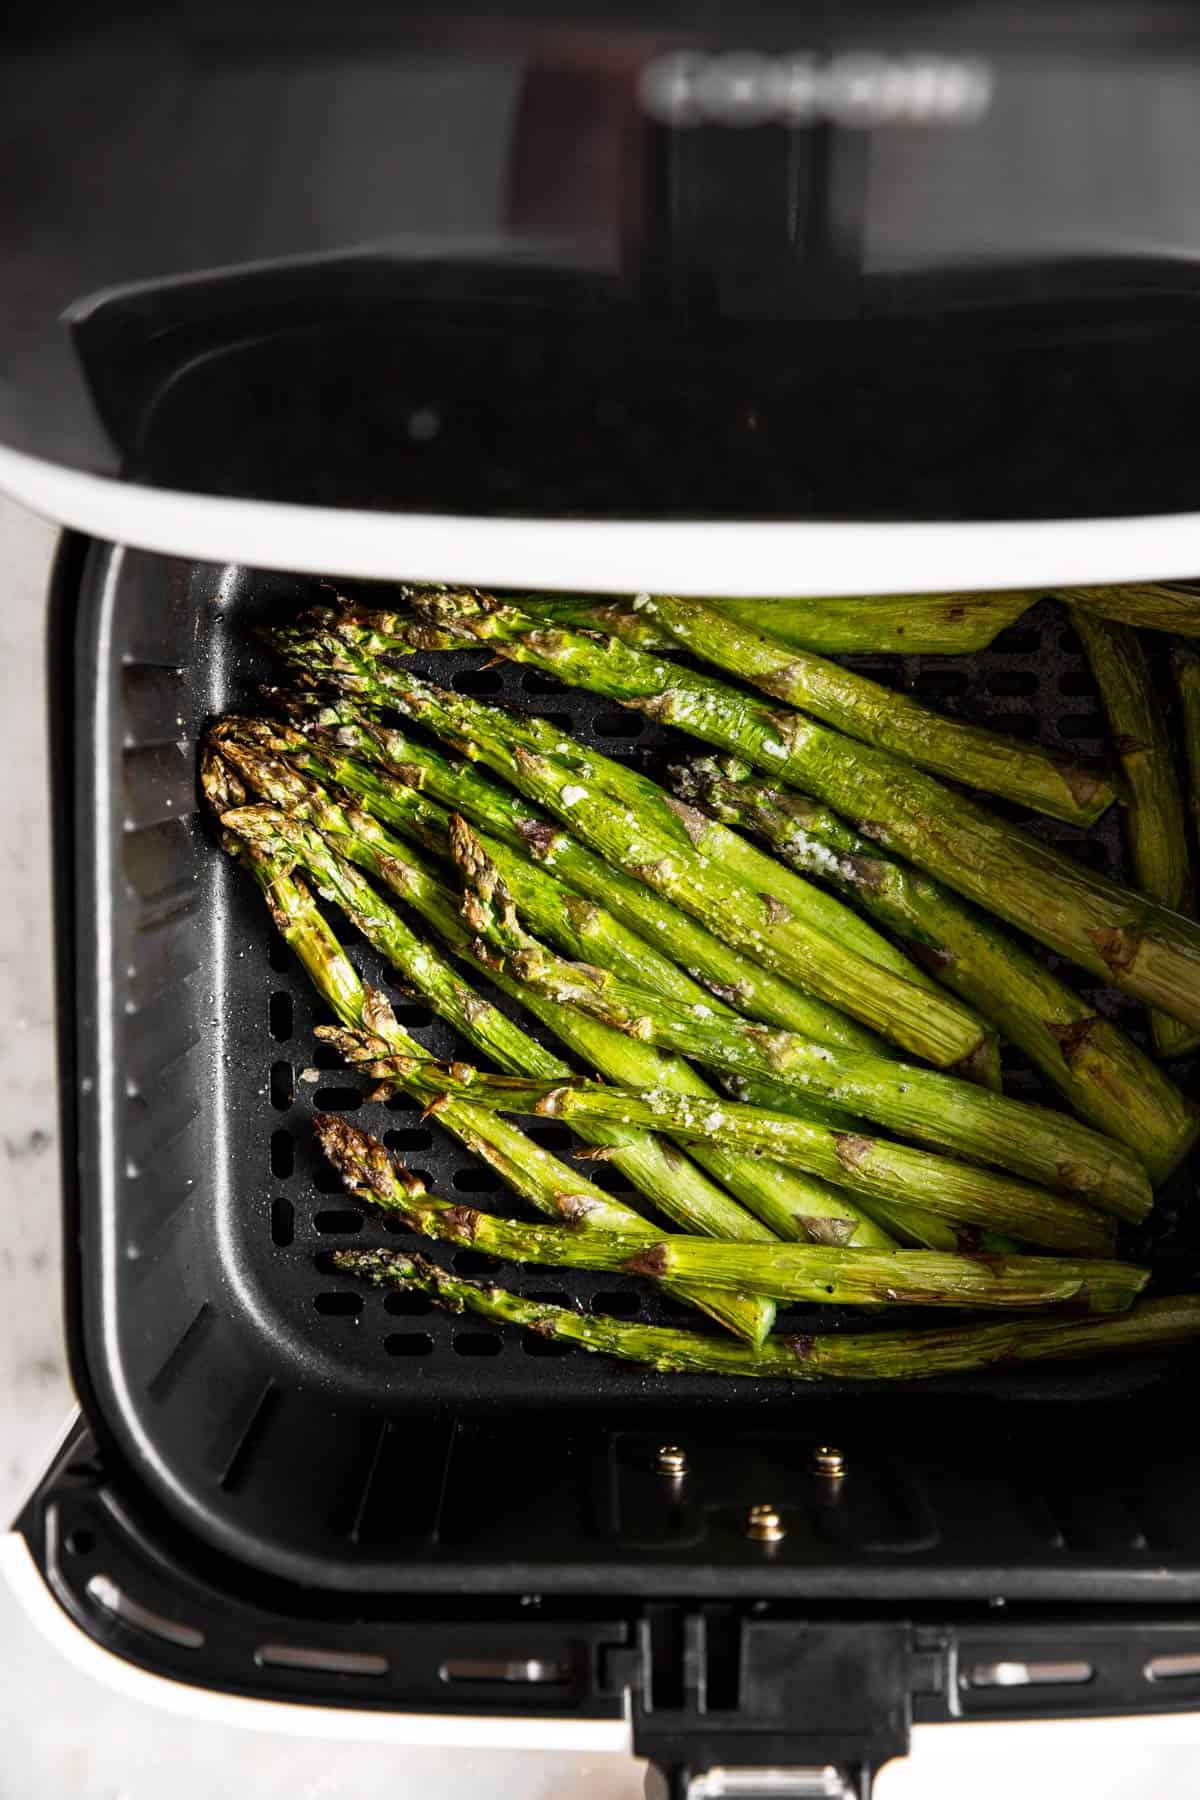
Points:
[[858, 1356], [1153, 605], [1095, 1066], [1118, 934], [1044, 779], [411, 765], [910, 1225], [1044, 1146], [735, 856], [1154, 817], [782, 1271], [678, 1186], [529, 1170], [791, 1204], [933, 624], [662, 855], [274, 760], [865, 1165], [1187, 678]]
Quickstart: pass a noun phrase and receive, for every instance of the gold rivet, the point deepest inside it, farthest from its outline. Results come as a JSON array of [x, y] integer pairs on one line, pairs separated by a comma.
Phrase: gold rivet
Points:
[[828, 1461], [764, 1525], [670, 1459]]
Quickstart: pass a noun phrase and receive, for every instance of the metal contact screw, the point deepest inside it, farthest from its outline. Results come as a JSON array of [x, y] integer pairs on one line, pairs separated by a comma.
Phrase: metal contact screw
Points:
[[764, 1525], [828, 1461], [670, 1459]]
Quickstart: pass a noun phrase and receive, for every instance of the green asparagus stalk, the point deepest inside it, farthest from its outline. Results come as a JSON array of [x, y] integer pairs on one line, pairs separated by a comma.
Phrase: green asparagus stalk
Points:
[[865, 1165], [1044, 1146], [780, 1271], [1119, 935], [813, 1356], [738, 859], [1152, 605], [839, 624], [1100, 1072], [531, 1171], [910, 1225], [1154, 816], [733, 854], [1044, 779], [662, 855], [274, 759], [678, 1187], [1187, 678], [408, 765], [638, 960], [787, 1202]]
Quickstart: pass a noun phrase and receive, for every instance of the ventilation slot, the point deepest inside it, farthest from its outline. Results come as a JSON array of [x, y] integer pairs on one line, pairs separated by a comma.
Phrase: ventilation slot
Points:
[[340, 1223], [413, 1138], [523, 1669], [282, 1086], [1028, 1674], [337, 1099], [103, 1592], [338, 1304], [476, 1181], [477, 681], [477, 1343], [617, 1305], [1172, 1668], [408, 1306], [617, 725], [412, 1014], [279, 1016], [940, 684], [477, 1262], [283, 1154], [408, 1343], [320, 1662]]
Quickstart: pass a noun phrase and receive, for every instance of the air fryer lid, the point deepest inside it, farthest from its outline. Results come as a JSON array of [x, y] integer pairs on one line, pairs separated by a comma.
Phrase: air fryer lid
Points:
[[851, 262]]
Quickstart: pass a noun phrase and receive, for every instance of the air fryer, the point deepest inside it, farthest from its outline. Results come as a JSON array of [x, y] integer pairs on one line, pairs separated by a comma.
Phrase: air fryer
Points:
[[815, 351]]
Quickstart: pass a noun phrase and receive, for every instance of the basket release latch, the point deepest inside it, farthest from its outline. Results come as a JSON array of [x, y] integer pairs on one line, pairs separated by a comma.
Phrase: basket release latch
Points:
[[735, 1706]]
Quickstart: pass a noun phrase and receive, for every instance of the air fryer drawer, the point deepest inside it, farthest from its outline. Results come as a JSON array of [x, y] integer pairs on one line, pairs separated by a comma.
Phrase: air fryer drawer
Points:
[[354, 1442]]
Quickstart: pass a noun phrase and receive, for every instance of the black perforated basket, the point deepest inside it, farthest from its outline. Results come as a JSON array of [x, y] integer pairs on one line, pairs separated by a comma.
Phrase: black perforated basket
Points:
[[353, 1442]]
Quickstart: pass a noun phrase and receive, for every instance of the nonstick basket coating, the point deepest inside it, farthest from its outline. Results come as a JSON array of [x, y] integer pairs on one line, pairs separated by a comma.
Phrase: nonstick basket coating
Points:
[[348, 1439]]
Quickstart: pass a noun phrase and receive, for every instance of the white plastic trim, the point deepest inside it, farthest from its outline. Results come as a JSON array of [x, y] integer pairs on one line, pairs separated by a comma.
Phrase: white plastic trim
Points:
[[932, 1771], [453, 1731], [611, 556]]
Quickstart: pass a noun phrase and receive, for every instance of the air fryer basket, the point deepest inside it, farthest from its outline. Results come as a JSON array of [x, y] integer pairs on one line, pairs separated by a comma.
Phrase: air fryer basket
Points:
[[362, 1443]]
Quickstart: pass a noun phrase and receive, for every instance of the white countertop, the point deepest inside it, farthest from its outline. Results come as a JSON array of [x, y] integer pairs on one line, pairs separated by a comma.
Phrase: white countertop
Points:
[[34, 1390], [75, 1733]]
